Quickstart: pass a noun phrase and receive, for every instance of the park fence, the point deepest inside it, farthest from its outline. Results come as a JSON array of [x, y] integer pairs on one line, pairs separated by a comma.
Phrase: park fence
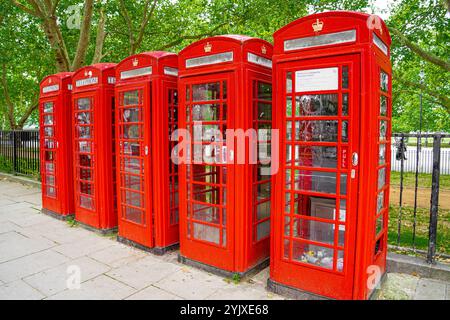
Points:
[[19, 152], [417, 221]]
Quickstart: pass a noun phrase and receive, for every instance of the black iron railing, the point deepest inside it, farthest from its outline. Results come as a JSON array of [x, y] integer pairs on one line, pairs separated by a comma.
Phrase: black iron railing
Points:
[[19, 153], [419, 178]]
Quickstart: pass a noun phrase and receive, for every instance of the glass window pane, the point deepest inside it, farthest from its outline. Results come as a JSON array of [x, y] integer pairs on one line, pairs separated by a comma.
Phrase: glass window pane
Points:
[[86, 202], [133, 199], [48, 131], [84, 117], [344, 77], [263, 191], [287, 204], [206, 233], [314, 231], [318, 105], [206, 92], [289, 82], [84, 132], [264, 111], [312, 254], [380, 224], [382, 154], [48, 119], [315, 181], [340, 261], [383, 130], [133, 214], [323, 208], [50, 191], [264, 91], [263, 230], [345, 131], [384, 81], [206, 112], [343, 184], [48, 107], [131, 115], [380, 202], [326, 131], [263, 210], [318, 157], [288, 106], [86, 188], [288, 130], [131, 98], [383, 105], [84, 104], [381, 178], [345, 104]]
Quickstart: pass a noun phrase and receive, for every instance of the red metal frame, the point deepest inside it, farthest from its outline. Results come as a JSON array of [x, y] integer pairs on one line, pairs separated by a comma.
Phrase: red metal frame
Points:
[[56, 144], [147, 114], [94, 157], [218, 201], [306, 229]]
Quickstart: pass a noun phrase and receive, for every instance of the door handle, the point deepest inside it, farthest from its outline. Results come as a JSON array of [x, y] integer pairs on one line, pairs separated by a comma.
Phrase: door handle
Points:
[[146, 150]]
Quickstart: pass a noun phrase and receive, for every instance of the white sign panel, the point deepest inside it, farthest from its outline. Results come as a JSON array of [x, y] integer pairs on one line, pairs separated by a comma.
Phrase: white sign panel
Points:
[[259, 60], [136, 73], [50, 88], [317, 80], [86, 82]]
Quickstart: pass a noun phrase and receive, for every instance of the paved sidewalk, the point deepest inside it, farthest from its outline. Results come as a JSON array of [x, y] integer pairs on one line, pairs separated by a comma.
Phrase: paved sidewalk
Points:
[[40, 255]]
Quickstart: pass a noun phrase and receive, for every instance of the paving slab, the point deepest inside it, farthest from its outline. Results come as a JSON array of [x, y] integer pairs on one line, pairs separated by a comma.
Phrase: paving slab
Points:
[[19, 290], [7, 226], [399, 286], [189, 283], [243, 291], [30, 264], [144, 272], [153, 293], [83, 247], [117, 255], [99, 288], [54, 280], [18, 248], [428, 289]]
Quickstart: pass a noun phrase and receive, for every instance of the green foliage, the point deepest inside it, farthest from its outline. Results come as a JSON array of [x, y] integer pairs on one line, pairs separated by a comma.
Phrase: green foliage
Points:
[[424, 22], [176, 23]]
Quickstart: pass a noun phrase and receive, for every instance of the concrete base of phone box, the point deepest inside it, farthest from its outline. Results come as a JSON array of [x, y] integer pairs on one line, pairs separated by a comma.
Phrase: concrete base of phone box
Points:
[[224, 273], [103, 232], [156, 250], [298, 294], [62, 217]]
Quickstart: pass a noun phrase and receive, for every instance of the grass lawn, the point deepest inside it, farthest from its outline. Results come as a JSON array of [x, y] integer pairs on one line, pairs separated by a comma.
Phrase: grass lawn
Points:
[[423, 217], [409, 180]]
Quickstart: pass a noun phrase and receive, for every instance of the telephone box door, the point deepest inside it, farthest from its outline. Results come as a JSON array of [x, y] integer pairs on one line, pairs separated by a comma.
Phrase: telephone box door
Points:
[[316, 238], [50, 154], [208, 227], [84, 156], [134, 167]]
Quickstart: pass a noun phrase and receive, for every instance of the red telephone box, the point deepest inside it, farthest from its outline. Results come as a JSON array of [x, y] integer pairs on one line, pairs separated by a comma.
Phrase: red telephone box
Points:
[[55, 109], [147, 179], [330, 212], [225, 83], [94, 157]]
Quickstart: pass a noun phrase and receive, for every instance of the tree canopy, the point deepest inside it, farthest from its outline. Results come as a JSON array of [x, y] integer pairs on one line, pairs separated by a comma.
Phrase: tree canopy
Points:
[[41, 37]]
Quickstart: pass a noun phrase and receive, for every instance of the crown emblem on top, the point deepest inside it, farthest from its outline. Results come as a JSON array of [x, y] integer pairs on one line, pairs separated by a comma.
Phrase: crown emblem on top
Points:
[[208, 47], [135, 62], [317, 26], [263, 49], [49, 80]]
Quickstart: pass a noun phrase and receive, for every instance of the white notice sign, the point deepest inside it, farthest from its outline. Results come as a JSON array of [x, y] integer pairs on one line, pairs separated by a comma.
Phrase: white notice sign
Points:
[[317, 80]]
